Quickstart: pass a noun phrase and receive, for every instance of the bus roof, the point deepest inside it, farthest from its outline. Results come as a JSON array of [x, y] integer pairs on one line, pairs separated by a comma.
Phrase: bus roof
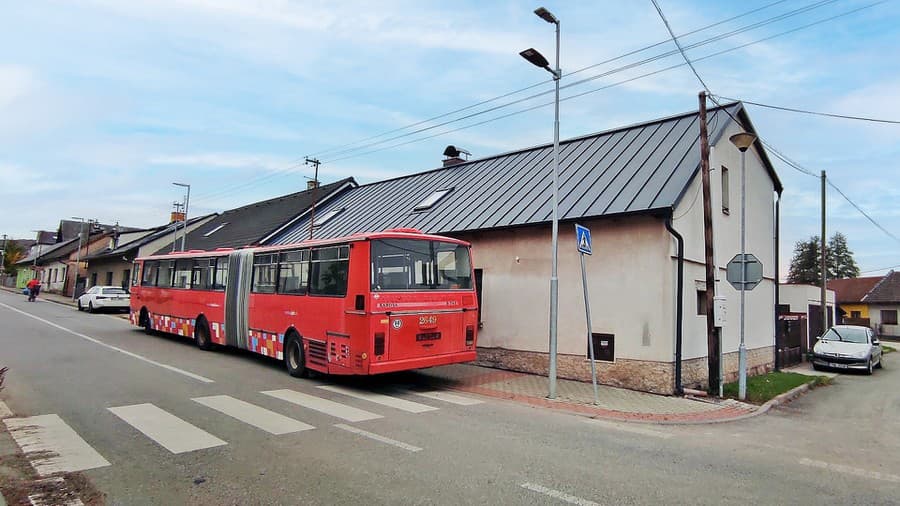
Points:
[[395, 233]]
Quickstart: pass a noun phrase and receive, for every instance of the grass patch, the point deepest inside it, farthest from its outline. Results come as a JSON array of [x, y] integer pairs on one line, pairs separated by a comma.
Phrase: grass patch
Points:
[[887, 349], [764, 387]]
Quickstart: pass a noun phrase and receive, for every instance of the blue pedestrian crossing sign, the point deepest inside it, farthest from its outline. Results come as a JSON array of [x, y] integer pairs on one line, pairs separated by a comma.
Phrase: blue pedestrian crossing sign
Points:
[[583, 236]]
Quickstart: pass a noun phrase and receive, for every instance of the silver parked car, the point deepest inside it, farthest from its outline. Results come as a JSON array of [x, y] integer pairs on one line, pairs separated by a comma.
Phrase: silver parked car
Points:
[[848, 347]]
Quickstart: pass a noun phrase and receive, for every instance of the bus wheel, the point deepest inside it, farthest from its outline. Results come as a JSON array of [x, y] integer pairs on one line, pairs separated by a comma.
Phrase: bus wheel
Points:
[[201, 336], [145, 320], [294, 359]]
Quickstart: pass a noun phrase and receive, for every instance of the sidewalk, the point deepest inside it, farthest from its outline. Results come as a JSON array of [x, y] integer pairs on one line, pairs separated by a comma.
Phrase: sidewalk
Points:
[[56, 299], [574, 396]]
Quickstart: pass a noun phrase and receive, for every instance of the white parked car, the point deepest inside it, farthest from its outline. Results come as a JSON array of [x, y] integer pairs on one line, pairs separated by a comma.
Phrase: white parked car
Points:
[[104, 297]]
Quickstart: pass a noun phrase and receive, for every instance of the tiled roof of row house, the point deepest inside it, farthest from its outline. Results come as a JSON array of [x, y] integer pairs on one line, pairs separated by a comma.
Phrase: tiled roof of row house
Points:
[[127, 248], [253, 223], [886, 291], [852, 289], [637, 169], [50, 252]]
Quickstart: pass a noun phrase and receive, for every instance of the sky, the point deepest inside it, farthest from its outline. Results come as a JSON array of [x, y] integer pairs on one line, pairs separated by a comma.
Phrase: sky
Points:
[[104, 104]]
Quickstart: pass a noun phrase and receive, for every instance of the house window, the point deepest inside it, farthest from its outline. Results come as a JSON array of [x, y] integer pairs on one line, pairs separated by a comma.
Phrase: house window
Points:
[[323, 218], [432, 199], [126, 275], [701, 302], [725, 200], [889, 316], [93, 279], [479, 276], [855, 314], [213, 231], [109, 278]]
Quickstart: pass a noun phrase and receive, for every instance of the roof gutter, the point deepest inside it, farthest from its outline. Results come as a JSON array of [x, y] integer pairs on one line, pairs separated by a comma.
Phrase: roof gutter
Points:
[[679, 305]]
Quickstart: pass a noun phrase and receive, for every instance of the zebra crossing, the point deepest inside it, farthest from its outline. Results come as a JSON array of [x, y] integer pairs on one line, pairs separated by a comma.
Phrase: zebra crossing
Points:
[[56, 447]]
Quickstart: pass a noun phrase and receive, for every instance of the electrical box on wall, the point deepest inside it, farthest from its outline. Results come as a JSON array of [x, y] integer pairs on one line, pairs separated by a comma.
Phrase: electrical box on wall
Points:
[[720, 310]]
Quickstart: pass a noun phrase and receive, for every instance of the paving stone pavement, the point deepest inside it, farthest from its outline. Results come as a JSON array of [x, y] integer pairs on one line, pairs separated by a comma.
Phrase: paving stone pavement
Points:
[[614, 403]]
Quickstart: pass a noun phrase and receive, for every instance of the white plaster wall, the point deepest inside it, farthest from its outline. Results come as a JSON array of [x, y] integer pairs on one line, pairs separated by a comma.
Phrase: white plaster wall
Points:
[[799, 297], [630, 280], [760, 241]]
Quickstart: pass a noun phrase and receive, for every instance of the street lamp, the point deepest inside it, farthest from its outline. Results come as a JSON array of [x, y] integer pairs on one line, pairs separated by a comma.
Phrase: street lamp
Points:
[[742, 141], [187, 201], [537, 59]]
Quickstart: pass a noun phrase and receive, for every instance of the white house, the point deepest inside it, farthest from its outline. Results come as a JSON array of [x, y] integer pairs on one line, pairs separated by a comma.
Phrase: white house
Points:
[[637, 188]]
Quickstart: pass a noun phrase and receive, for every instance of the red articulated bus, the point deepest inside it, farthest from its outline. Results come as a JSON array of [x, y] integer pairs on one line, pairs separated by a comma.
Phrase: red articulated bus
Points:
[[366, 304]]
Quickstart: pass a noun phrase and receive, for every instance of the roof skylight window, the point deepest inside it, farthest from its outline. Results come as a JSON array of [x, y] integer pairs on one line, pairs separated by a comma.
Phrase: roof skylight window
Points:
[[323, 218], [213, 231], [432, 199]]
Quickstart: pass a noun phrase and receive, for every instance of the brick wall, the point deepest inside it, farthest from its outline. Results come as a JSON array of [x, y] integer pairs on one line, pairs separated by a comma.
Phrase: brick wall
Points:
[[643, 375]]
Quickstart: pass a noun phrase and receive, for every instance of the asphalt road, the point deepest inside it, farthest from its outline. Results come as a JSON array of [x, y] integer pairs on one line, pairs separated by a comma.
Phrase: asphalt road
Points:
[[836, 445]]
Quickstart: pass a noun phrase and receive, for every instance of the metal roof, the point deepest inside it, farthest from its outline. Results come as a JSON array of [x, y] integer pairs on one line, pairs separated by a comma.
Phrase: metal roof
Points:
[[253, 223], [636, 169]]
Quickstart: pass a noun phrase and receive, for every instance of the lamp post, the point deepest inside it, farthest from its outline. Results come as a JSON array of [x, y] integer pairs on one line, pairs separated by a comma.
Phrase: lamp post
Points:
[[3, 256], [537, 59], [77, 255], [742, 141], [187, 201]]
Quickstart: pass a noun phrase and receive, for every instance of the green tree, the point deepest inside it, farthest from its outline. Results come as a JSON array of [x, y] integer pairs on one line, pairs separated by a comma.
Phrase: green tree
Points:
[[839, 258], [839, 262], [13, 253], [805, 263]]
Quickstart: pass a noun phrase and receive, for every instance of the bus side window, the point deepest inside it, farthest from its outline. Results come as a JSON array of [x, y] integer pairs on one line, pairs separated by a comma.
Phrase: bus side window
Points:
[[293, 272], [182, 278], [200, 274], [151, 271], [220, 278], [265, 269], [328, 270], [166, 273]]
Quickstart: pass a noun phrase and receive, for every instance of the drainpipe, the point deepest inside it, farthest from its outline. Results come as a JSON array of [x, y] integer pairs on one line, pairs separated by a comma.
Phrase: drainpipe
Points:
[[778, 341], [679, 305]]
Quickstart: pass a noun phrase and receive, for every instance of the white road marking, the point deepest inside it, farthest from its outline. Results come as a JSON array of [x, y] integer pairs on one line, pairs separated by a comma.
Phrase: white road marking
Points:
[[376, 437], [840, 468], [171, 432], [629, 428], [262, 418], [448, 397], [5, 412], [62, 448], [384, 400], [556, 494], [332, 408], [111, 347]]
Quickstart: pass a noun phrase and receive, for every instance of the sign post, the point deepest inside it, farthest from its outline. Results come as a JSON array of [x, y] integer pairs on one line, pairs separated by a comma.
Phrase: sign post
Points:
[[583, 240], [744, 272]]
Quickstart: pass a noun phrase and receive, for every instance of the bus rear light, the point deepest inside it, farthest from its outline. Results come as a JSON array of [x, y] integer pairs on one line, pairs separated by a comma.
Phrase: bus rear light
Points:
[[470, 335], [379, 343]]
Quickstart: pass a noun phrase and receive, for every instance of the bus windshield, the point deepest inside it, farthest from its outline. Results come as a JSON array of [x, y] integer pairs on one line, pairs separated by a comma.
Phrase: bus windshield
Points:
[[416, 264]]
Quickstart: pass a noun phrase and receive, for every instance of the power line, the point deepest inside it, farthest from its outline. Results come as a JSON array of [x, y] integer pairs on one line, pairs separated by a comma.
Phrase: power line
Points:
[[862, 212], [508, 94], [782, 157], [626, 67], [815, 113], [892, 267], [616, 70]]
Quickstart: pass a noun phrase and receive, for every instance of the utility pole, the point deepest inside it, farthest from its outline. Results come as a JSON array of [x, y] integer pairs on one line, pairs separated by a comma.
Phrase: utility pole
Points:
[[822, 263], [712, 341], [3, 256], [312, 210]]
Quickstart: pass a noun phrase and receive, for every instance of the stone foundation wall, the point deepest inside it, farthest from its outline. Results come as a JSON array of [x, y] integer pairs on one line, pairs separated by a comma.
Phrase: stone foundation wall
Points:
[[694, 372], [646, 376], [643, 375]]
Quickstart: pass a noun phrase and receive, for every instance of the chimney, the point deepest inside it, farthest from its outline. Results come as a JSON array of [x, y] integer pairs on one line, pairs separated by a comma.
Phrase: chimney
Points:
[[452, 153], [311, 184]]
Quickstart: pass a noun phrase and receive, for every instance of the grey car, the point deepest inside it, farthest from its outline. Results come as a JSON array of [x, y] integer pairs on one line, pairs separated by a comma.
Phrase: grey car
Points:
[[848, 347]]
